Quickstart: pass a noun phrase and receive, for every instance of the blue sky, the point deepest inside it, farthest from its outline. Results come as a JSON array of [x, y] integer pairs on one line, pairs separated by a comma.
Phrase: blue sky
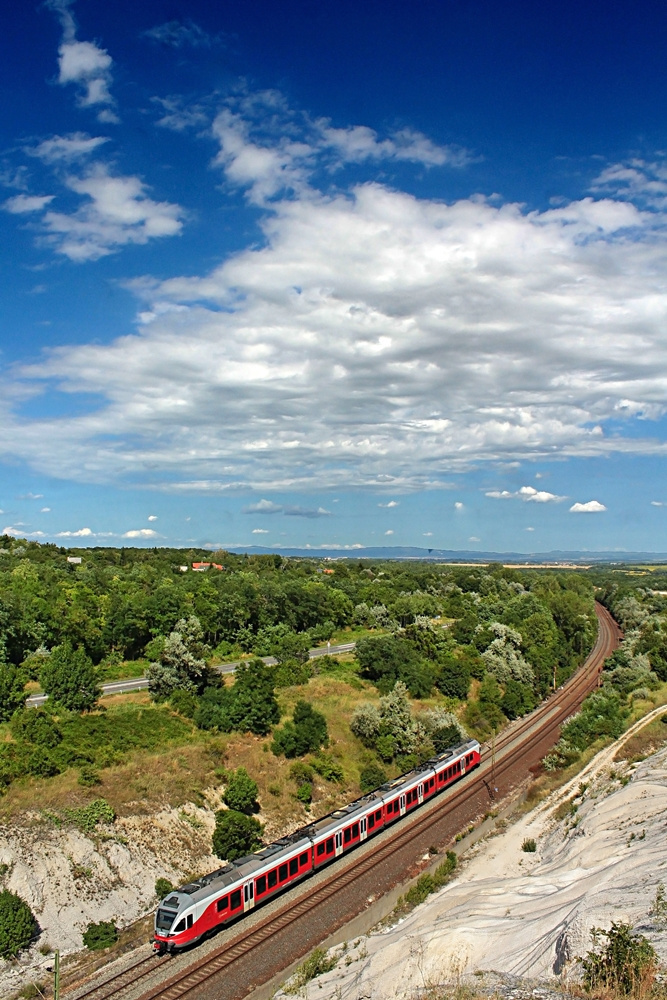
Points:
[[334, 274]]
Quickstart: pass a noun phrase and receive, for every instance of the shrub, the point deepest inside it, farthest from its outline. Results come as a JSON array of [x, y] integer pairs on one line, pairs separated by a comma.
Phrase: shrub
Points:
[[163, 887], [301, 773], [529, 846], [307, 731], [180, 664], [87, 817], [316, 964], [626, 964], [241, 791], [101, 935], [184, 702], [235, 834], [89, 776], [17, 924], [372, 776], [304, 793], [327, 767]]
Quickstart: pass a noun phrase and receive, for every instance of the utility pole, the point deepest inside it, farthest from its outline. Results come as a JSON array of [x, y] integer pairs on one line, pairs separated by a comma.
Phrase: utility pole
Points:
[[493, 762], [56, 977]]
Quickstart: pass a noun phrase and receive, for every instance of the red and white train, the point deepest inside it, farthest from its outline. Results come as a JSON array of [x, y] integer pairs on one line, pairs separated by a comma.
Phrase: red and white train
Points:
[[210, 902]]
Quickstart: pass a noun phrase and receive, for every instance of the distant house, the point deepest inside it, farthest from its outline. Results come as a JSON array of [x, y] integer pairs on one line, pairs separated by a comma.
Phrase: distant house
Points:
[[200, 567], [75, 560], [217, 566], [183, 569]]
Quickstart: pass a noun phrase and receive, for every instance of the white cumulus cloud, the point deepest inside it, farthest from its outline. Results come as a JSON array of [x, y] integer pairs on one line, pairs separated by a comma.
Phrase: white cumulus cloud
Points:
[[81, 533], [260, 531], [591, 507], [23, 203], [141, 533], [152, 517], [84, 64], [392, 503]]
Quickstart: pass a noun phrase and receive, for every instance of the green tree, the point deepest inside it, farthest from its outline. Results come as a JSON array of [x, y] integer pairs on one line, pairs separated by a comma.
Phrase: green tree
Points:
[[70, 679], [17, 924], [253, 707], [453, 677], [181, 664], [241, 792], [235, 834], [12, 693], [163, 887]]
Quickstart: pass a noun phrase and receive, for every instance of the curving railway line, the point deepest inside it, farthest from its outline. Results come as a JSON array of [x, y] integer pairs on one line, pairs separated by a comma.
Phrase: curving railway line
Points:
[[251, 953]]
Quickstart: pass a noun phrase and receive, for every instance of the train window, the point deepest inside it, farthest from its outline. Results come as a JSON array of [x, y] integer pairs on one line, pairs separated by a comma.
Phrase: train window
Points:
[[378, 814], [293, 866], [371, 821], [282, 872], [273, 879], [320, 849], [441, 777], [189, 920], [303, 859], [355, 830], [260, 886], [330, 845], [180, 926], [165, 919], [222, 904], [431, 782], [408, 797], [396, 806], [347, 835], [235, 899]]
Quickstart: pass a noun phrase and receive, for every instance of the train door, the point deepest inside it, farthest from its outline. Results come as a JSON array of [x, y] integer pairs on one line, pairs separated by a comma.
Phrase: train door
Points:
[[401, 805], [463, 766], [339, 843], [362, 828], [248, 896], [420, 792]]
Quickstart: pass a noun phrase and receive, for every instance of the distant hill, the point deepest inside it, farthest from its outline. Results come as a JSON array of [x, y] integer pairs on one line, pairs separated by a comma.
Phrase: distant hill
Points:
[[455, 555]]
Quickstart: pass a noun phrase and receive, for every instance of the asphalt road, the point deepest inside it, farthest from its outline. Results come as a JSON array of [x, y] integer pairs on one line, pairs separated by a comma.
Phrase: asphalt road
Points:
[[140, 683]]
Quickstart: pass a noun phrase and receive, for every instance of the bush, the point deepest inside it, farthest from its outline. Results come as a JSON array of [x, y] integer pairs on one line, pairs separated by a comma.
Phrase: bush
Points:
[[372, 776], [529, 846], [301, 773], [327, 767], [626, 964], [307, 731], [87, 817], [235, 834], [304, 793], [17, 924], [184, 702], [241, 792], [163, 887], [316, 964], [101, 935], [89, 776], [181, 662]]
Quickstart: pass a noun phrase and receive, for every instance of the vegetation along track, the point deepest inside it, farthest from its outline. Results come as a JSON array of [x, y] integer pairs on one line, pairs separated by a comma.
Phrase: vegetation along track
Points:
[[312, 911]]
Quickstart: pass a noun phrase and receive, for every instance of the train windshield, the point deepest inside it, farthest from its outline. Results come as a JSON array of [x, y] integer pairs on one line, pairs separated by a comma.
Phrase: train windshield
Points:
[[164, 919]]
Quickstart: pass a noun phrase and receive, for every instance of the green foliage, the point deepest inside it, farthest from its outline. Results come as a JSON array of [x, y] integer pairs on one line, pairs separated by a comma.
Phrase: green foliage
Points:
[[625, 965], [184, 702], [291, 672], [181, 663], [307, 731], [70, 679], [86, 818], [12, 693], [327, 767], [304, 793], [454, 677], [387, 659], [529, 845], [426, 884], [602, 714], [372, 776], [315, 965], [89, 776], [17, 924], [249, 705], [235, 834], [517, 700], [101, 935], [301, 773], [34, 725], [241, 792], [163, 887]]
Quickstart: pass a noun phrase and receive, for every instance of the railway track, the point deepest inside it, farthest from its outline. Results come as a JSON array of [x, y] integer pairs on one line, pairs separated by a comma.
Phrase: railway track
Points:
[[506, 757]]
